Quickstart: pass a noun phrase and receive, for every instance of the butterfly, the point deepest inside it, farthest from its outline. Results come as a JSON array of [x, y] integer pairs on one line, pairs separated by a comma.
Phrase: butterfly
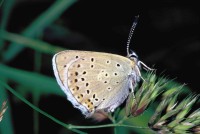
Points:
[[95, 81]]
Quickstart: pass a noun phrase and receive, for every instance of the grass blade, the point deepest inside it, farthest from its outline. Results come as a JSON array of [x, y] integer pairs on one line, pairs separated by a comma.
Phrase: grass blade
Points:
[[37, 26]]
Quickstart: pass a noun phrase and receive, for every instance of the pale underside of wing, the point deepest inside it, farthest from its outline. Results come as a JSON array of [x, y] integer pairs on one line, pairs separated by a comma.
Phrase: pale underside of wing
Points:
[[92, 80]]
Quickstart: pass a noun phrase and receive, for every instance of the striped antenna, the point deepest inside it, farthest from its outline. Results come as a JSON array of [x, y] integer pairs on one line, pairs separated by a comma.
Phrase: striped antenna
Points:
[[131, 33]]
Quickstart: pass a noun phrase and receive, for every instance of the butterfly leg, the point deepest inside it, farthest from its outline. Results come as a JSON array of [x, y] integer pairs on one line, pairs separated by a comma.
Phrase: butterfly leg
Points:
[[139, 73], [145, 66], [131, 102]]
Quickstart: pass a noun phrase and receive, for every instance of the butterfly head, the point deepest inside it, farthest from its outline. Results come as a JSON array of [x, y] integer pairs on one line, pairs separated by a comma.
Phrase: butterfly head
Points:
[[134, 57]]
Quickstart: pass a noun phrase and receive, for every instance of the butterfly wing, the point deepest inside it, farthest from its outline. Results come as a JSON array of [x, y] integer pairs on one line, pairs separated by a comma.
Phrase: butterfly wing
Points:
[[92, 80]]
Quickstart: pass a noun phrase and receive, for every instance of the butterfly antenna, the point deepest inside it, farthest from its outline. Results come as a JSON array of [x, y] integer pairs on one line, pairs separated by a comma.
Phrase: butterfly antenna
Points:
[[131, 33]]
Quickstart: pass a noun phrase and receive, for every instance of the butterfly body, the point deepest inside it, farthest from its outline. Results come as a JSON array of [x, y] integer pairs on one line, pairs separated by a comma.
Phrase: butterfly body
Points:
[[95, 81]]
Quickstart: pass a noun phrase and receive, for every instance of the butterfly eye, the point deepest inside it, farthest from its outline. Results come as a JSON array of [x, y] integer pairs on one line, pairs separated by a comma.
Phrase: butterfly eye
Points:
[[133, 55]]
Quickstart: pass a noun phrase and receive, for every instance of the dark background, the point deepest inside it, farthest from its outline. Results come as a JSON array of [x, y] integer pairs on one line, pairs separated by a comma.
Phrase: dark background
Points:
[[167, 34], [166, 37]]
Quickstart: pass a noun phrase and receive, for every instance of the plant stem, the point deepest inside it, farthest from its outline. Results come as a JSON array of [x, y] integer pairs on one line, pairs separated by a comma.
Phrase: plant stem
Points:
[[39, 110], [73, 128], [107, 125]]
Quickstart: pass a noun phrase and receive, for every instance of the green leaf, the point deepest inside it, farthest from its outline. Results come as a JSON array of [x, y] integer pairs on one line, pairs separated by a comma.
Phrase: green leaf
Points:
[[38, 25], [34, 81]]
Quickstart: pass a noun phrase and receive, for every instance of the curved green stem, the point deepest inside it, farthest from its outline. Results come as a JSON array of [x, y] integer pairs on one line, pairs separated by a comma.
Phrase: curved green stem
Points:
[[107, 125], [73, 128], [39, 110]]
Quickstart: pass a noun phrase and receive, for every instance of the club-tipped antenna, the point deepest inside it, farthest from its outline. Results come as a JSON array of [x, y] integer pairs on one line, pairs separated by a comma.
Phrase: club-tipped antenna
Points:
[[131, 32]]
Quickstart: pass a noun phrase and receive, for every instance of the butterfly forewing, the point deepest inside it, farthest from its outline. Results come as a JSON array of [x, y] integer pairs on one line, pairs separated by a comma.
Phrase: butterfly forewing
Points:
[[93, 80]]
